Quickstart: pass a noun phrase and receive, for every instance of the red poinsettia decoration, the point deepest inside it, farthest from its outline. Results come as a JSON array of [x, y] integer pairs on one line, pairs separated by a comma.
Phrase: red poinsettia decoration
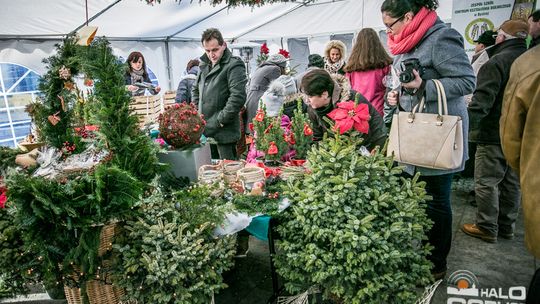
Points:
[[264, 49], [348, 115], [3, 196], [284, 53]]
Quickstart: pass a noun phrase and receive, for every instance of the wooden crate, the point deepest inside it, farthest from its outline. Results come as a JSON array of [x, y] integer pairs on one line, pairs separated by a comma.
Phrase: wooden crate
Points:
[[168, 99], [147, 108]]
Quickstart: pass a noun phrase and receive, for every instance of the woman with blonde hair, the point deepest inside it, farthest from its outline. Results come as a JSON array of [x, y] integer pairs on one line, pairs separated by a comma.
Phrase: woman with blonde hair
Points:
[[367, 67], [334, 57]]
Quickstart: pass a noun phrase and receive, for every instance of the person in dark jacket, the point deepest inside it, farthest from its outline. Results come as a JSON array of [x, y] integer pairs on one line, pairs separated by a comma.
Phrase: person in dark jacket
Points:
[[267, 72], [315, 61], [219, 92], [534, 28], [183, 93], [497, 190], [136, 74], [324, 92]]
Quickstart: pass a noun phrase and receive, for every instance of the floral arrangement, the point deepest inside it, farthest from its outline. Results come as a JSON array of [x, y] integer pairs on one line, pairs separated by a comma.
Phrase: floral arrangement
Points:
[[181, 125], [350, 115], [263, 55], [285, 53]]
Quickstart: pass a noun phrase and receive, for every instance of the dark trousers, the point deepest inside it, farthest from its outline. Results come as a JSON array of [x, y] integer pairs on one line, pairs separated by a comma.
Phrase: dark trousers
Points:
[[227, 151], [497, 191], [439, 211], [533, 297]]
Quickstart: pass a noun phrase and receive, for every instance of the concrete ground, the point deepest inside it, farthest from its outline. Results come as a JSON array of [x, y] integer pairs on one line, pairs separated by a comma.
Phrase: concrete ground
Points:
[[498, 267]]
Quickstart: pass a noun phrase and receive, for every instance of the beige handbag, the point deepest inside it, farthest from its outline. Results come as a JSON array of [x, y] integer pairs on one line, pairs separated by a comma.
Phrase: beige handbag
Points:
[[425, 139]]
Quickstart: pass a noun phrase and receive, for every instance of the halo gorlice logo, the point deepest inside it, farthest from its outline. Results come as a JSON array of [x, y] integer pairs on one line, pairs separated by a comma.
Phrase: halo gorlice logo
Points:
[[464, 288], [476, 28]]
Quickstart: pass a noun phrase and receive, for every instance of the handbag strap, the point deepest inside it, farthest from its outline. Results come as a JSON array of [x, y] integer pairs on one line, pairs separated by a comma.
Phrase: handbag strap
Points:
[[442, 105]]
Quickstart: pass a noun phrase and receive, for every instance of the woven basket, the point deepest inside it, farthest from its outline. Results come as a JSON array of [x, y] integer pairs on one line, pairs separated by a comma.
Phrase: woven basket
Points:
[[100, 292], [105, 238], [230, 168], [252, 179], [73, 295]]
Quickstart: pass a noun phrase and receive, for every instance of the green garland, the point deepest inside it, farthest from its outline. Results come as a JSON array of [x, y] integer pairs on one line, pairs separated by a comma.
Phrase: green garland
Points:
[[355, 228], [169, 255], [265, 204]]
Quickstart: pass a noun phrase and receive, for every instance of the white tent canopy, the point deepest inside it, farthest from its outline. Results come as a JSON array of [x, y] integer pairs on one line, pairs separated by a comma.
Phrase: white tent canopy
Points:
[[168, 34]]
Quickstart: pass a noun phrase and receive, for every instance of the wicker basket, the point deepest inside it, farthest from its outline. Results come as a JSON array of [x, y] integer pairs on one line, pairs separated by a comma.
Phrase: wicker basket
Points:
[[105, 238], [73, 295], [100, 292]]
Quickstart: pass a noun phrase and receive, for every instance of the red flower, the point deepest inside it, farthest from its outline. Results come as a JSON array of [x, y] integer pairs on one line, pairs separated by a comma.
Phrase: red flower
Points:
[[250, 126], [289, 138], [348, 115], [272, 150], [284, 53], [3, 199], [307, 130], [264, 49], [260, 115]]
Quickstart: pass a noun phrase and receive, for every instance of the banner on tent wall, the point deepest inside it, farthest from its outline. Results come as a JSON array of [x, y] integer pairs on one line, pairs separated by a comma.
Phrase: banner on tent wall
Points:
[[523, 9], [472, 18]]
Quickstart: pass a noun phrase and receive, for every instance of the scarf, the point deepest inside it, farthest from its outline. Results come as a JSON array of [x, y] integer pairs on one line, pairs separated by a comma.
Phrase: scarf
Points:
[[412, 33], [136, 76], [333, 68]]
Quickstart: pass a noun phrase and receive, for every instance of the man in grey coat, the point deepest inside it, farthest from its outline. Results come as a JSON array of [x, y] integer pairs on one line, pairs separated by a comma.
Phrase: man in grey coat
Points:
[[267, 72], [219, 92]]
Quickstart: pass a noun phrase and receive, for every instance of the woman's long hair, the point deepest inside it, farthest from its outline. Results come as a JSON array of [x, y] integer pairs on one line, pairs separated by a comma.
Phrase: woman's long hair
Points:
[[398, 8], [368, 53], [134, 56]]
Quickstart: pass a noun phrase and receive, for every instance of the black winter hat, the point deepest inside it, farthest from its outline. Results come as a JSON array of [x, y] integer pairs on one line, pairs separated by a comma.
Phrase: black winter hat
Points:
[[487, 38], [315, 60]]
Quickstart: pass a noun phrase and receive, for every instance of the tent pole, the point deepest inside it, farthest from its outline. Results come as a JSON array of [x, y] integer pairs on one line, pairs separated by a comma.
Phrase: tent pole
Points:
[[93, 17], [168, 61]]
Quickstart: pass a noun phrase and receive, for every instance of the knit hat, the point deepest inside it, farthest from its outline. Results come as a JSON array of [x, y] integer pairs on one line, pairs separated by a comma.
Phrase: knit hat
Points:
[[516, 28], [487, 38], [274, 96], [315, 60], [278, 60]]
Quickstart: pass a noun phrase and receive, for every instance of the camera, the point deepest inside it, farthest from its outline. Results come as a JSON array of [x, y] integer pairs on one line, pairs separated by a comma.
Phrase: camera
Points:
[[407, 67]]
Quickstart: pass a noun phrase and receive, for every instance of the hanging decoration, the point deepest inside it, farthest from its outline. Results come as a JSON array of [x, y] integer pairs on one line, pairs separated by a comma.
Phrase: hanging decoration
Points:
[[231, 2]]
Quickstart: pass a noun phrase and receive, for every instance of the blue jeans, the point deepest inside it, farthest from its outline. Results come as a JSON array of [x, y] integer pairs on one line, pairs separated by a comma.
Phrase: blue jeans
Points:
[[439, 211]]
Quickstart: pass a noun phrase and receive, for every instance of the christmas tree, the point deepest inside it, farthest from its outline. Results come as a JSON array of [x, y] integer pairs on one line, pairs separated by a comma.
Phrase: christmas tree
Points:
[[355, 227]]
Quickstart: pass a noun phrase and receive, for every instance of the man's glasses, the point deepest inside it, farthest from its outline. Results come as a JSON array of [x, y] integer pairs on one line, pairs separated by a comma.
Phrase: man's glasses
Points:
[[389, 27]]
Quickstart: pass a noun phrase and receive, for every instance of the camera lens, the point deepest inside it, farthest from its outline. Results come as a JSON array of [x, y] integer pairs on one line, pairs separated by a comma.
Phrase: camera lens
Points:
[[406, 76]]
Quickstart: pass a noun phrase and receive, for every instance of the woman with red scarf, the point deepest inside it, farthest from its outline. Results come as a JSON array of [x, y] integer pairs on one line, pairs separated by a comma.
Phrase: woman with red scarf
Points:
[[415, 31]]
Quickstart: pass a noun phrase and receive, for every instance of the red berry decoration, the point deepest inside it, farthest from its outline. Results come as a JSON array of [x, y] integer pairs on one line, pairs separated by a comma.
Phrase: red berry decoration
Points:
[[181, 125]]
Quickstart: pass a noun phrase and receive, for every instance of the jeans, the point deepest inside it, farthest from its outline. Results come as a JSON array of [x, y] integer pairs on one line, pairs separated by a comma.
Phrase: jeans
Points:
[[497, 191], [227, 151], [439, 211]]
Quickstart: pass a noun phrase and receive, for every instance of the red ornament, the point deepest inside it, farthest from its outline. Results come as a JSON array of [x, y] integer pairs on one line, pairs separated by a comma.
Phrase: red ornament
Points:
[[307, 130], [251, 128], [348, 115], [290, 139], [272, 150], [88, 82], [260, 115]]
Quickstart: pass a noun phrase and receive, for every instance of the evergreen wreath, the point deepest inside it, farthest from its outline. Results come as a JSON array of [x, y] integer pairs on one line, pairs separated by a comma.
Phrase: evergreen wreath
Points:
[[355, 228]]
